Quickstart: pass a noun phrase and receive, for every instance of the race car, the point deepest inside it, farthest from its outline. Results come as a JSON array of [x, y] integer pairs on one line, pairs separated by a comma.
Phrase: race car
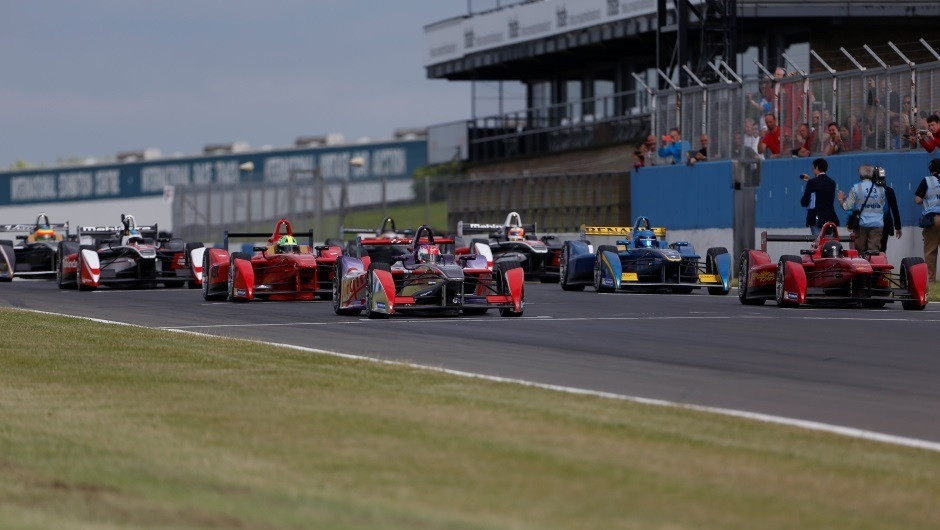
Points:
[[513, 241], [126, 256], [280, 270], [643, 259], [829, 274], [426, 280], [34, 252], [380, 245]]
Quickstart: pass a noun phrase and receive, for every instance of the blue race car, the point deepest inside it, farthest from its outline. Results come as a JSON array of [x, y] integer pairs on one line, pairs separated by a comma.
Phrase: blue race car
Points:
[[643, 259]]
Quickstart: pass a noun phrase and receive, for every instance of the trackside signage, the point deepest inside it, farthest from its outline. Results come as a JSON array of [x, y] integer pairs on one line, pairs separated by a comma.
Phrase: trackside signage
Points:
[[391, 160]]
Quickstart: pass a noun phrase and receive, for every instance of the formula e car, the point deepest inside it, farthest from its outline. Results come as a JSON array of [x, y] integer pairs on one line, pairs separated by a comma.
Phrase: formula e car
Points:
[[425, 280], [280, 270], [829, 274], [516, 242], [35, 250], [128, 255], [382, 245], [645, 260]]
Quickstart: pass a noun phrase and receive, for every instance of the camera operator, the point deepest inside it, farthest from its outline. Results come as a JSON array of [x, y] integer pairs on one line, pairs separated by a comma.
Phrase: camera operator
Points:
[[927, 194], [869, 201], [818, 197], [892, 219]]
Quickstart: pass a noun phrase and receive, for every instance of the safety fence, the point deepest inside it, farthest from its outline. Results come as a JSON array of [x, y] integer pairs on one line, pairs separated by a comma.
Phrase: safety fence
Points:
[[556, 203]]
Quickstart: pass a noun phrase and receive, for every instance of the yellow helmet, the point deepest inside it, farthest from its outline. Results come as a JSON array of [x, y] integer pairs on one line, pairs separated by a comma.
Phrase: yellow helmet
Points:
[[287, 245]]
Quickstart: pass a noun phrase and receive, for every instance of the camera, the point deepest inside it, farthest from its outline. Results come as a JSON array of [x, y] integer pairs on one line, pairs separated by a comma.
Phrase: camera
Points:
[[804, 176], [879, 176], [667, 138]]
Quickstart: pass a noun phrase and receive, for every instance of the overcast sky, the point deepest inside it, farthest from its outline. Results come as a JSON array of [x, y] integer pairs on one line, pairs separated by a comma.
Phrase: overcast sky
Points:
[[94, 77]]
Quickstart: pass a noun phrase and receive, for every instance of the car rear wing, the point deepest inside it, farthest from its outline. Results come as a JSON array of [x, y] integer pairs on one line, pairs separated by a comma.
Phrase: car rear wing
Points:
[[265, 235], [27, 228], [793, 238], [616, 231], [465, 228], [150, 230]]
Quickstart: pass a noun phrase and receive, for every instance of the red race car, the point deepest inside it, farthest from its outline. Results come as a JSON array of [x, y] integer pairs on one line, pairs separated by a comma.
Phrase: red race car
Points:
[[829, 274], [281, 270]]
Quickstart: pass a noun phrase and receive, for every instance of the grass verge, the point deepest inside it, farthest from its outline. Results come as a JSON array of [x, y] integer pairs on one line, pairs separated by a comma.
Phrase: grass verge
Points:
[[105, 426]]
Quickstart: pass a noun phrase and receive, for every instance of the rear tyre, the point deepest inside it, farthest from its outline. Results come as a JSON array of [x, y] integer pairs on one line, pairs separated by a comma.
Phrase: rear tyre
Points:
[[563, 270], [374, 267], [501, 269], [598, 271], [338, 294], [744, 276], [906, 265], [231, 274], [781, 280], [711, 267]]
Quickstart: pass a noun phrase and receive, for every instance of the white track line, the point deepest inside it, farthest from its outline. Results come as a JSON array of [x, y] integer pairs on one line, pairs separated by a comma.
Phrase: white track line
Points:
[[767, 418]]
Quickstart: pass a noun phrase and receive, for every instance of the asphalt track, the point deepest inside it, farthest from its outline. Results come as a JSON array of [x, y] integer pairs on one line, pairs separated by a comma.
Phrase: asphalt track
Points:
[[876, 370]]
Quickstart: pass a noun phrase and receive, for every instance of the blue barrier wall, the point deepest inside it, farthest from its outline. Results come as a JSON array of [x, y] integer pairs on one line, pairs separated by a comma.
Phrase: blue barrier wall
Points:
[[390, 160], [684, 197], [700, 196], [778, 198]]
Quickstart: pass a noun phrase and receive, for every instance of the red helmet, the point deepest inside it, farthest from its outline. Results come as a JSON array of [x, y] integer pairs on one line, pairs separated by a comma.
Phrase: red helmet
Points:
[[516, 233], [429, 254]]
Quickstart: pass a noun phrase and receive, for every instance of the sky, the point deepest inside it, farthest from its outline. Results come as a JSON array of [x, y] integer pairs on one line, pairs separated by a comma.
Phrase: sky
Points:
[[91, 78]]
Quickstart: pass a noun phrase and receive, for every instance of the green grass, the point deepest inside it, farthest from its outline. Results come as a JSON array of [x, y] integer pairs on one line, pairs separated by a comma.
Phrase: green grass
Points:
[[104, 426]]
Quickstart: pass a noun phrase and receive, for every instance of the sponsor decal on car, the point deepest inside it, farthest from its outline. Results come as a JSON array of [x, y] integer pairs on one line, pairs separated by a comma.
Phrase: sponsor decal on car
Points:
[[764, 277], [70, 263], [791, 295], [708, 278], [380, 305], [629, 277], [240, 292]]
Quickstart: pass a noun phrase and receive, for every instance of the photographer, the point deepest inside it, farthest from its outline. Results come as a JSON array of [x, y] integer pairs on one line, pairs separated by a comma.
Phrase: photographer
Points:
[[928, 195], [818, 197], [674, 146], [868, 201]]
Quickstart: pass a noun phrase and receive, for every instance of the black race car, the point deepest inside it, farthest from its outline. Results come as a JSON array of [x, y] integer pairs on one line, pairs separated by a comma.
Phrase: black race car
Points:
[[34, 252], [515, 242]]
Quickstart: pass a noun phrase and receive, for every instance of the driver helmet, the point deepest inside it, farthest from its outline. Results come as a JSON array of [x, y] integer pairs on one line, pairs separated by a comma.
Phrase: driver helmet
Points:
[[429, 254], [645, 239], [832, 249], [516, 233], [287, 245], [45, 233]]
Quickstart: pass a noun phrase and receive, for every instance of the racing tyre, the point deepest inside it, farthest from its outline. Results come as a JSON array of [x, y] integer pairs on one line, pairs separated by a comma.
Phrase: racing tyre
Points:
[[372, 267], [231, 274], [563, 270], [193, 284], [205, 284], [11, 253], [501, 269], [338, 294], [81, 265], [597, 269], [744, 275], [906, 264], [778, 288], [711, 267]]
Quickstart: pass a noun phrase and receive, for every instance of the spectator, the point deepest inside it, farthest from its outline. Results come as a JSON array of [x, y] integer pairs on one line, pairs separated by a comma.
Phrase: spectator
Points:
[[751, 134], [674, 146], [639, 156], [702, 154], [892, 224], [804, 141], [930, 137], [927, 195], [834, 144], [651, 158], [818, 197], [855, 140], [769, 145], [844, 134], [740, 150], [869, 201]]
